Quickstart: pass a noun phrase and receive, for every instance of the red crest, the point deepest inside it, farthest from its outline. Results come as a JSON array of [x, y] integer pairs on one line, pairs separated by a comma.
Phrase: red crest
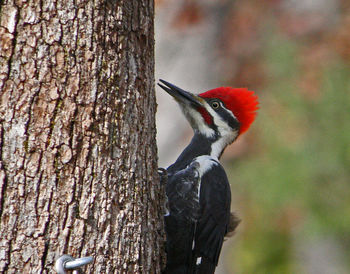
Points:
[[242, 102]]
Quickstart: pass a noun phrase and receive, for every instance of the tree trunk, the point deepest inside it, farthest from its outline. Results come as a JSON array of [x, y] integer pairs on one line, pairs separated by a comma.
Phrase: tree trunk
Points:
[[78, 159]]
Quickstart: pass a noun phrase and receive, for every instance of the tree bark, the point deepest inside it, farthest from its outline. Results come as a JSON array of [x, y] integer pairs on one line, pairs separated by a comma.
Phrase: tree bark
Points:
[[78, 159]]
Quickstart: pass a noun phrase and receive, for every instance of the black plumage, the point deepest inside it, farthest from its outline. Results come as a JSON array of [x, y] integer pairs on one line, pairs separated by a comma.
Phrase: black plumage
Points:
[[199, 204], [197, 188]]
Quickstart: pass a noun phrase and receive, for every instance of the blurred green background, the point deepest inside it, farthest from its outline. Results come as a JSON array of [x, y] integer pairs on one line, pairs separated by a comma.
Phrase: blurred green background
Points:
[[290, 175], [293, 187]]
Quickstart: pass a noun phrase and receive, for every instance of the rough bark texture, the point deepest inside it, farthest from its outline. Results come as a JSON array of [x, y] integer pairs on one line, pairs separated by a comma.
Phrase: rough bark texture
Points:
[[77, 138]]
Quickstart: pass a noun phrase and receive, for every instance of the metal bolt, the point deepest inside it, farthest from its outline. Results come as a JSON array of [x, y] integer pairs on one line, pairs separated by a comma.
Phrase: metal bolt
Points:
[[67, 262]]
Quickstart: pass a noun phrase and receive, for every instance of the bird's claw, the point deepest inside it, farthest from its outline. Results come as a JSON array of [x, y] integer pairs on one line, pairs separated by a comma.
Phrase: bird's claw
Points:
[[163, 175]]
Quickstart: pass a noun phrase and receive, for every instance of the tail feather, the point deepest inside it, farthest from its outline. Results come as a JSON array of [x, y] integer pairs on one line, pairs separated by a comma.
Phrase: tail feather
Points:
[[232, 225]]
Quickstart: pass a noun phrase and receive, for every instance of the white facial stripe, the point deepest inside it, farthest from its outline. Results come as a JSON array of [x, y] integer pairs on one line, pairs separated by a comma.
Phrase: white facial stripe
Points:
[[229, 111], [218, 121], [218, 146], [196, 120], [227, 135]]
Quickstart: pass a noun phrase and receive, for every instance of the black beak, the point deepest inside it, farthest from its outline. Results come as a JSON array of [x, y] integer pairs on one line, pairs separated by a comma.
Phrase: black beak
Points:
[[179, 94]]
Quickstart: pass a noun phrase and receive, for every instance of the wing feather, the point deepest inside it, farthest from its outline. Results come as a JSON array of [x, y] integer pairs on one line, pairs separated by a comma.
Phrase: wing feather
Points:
[[215, 200], [198, 220]]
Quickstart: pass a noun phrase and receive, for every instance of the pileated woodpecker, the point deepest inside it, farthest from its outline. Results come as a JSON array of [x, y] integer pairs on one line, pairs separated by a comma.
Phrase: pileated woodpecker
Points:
[[197, 189]]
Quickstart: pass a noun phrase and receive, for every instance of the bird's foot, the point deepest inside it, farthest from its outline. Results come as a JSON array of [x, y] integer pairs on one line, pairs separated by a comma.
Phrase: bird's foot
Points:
[[163, 175]]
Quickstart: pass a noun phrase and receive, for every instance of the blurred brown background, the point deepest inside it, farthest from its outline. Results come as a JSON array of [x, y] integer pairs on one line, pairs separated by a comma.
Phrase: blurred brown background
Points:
[[290, 174]]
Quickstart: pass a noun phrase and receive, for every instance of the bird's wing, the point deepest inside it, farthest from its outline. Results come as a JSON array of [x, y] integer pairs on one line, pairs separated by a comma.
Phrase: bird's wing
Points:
[[215, 200], [183, 205], [199, 202], [183, 192]]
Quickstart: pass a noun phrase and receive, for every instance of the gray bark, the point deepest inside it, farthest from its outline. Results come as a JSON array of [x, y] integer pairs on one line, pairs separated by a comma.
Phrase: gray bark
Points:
[[78, 158]]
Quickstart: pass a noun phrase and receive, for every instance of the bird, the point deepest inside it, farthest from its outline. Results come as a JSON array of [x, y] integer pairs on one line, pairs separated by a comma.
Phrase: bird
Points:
[[198, 194]]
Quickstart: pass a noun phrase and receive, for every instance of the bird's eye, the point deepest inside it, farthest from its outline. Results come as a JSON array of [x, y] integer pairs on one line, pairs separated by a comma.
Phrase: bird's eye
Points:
[[215, 105]]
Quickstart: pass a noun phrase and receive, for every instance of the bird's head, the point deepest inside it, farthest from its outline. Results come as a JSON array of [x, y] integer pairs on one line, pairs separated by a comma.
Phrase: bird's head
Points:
[[221, 113]]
